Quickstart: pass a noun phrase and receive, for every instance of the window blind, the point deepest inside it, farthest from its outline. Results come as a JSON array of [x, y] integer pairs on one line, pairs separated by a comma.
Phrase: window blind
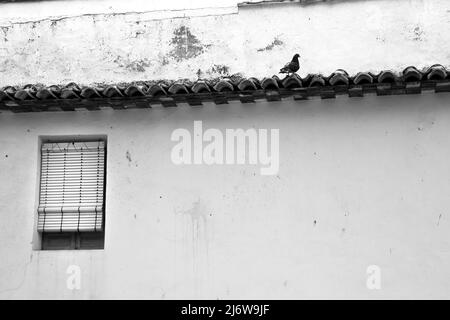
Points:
[[72, 186]]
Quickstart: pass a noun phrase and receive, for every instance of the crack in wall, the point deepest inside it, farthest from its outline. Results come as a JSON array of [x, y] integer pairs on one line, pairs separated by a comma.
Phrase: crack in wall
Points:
[[22, 281], [108, 15]]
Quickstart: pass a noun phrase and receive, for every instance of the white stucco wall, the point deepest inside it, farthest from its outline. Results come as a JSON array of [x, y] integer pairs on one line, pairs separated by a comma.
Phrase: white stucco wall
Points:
[[22, 12], [99, 44], [373, 173]]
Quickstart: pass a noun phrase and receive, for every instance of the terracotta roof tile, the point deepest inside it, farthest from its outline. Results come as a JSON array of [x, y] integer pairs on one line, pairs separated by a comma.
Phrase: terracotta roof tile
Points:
[[316, 80], [363, 78], [436, 72], [269, 84], [292, 82], [387, 76], [156, 90], [223, 86], [67, 93], [247, 84], [134, 91], [220, 91], [339, 77], [411, 74], [200, 87], [178, 88], [89, 93], [113, 92]]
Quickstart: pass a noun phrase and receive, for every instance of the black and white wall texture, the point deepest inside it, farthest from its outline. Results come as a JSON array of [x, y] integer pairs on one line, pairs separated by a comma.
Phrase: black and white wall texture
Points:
[[152, 151]]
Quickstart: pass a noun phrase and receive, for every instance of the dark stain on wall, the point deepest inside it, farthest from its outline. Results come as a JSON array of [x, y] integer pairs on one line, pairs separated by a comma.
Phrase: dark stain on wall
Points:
[[164, 61], [220, 69], [186, 45], [276, 42], [199, 73], [381, 38], [132, 65], [138, 65], [138, 33], [439, 219], [5, 33], [417, 33]]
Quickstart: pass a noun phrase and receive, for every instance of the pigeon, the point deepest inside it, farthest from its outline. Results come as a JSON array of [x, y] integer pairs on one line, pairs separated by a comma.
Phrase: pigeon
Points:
[[291, 67]]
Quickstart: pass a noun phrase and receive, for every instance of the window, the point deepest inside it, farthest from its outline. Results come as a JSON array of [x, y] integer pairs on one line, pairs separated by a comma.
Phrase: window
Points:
[[71, 212]]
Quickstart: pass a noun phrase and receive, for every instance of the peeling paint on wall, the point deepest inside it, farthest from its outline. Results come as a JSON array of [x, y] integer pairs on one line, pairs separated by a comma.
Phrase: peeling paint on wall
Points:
[[138, 65], [275, 43], [128, 156], [418, 34], [186, 45], [220, 70], [5, 33]]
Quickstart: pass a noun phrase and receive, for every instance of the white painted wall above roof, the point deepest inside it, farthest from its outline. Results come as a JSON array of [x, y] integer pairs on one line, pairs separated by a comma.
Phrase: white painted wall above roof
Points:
[[254, 41], [39, 10]]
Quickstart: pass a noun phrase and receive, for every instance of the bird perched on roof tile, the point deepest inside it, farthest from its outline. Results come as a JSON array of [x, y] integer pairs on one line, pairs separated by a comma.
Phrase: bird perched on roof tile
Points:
[[292, 66]]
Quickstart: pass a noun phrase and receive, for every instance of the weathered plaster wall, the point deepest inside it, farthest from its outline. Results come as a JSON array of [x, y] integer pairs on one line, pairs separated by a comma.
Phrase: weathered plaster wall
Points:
[[362, 181], [46, 8], [210, 42]]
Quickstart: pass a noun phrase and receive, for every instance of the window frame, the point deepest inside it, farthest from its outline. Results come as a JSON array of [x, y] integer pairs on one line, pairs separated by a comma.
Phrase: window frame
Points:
[[70, 240]]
